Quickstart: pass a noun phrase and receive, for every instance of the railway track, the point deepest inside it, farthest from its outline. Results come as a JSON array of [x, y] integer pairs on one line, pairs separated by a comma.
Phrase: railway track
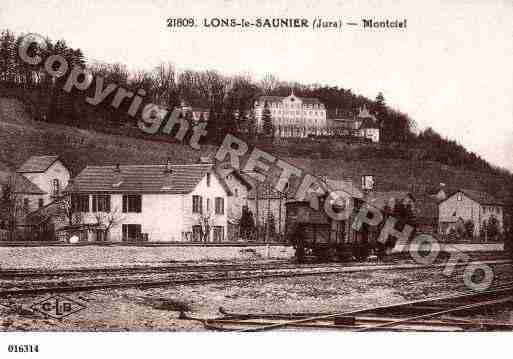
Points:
[[205, 274], [432, 314]]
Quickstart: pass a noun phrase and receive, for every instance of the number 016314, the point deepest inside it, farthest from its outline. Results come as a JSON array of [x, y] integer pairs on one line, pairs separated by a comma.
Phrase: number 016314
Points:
[[23, 348]]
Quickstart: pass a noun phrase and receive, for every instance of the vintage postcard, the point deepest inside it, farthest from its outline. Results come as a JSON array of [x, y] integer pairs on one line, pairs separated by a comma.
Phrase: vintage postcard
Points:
[[181, 169]]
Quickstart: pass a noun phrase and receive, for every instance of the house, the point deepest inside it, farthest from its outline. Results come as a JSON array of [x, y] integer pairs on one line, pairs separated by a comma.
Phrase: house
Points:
[[465, 205], [239, 188], [158, 203], [34, 185], [369, 127], [196, 114], [382, 199], [47, 176], [363, 124]]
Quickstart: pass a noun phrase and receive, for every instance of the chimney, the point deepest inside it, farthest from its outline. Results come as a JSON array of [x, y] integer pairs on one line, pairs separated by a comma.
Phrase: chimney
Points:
[[205, 160], [71, 185], [169, 165], [118, 179]]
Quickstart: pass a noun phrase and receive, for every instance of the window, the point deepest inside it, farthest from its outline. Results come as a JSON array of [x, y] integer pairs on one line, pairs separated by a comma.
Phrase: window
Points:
[[219, 205], [196, 233], [131, 232], [55, 187], [101, 203], [25, 203], [236, 191], [132, 203], [218, 233], [459, 197], [80, 203], [40, 202], [197, 204], [368, 182], [208, 205], [208, 179]]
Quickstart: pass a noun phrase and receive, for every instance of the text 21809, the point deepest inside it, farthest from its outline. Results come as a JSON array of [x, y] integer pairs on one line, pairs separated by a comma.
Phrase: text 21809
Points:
[[180, 22]]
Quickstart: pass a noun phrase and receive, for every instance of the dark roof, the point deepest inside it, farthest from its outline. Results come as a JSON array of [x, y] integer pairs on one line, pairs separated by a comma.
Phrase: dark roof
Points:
[[340, 114], [21, 183], [141, 179], [306, 100], [329, 185], [310, 100], [270, 98], [479, 197], [426, 206], [369, 123], [382, 199], [37, 164]]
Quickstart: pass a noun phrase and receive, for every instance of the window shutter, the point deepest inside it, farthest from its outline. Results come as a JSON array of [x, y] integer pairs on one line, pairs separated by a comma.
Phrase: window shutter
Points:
[[125, 210], [107, 200], [200, 204], [95, 203]]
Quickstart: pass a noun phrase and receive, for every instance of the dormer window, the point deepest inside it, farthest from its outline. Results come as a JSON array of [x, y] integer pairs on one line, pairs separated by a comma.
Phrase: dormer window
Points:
[[368, 182], [459, 197]]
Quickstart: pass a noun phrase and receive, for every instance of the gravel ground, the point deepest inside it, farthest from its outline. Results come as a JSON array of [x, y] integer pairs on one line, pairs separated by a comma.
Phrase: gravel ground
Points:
[[117, 256], [157, 309]]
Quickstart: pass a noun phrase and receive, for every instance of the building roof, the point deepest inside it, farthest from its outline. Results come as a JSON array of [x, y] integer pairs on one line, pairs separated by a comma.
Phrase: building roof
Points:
[[21, 183], [310, 100], [426, 206], [480, 197], [141, 179], [381, 199], [329, 185], [305, 100], [339, 114], [369, 123], [37, 164], [346, 186]]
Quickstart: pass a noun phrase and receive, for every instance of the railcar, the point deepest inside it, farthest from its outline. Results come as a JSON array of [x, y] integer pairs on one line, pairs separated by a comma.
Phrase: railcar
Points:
[[315, 234]]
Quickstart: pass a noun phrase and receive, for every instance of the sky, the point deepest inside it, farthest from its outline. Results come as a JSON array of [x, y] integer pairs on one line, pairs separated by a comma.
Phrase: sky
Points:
[[450, 69]]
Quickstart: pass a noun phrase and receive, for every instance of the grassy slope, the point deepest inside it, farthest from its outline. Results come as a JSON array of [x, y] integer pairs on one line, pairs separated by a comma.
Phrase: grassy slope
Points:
[[21, 137]]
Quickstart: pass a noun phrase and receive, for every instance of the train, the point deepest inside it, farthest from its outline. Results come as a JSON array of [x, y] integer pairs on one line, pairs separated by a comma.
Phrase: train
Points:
[[315, 234]]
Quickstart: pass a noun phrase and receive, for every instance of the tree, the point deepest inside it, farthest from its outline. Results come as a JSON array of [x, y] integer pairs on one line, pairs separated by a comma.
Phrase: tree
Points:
[[205, 222], [246, 223], [68, 211], [469, 228], [492, 227], [271, 226], [267, 121], [108, 220], [12, 205]]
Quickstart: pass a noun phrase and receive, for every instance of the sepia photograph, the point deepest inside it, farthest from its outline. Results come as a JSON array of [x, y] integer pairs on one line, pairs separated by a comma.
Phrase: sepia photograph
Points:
[[177, 172]]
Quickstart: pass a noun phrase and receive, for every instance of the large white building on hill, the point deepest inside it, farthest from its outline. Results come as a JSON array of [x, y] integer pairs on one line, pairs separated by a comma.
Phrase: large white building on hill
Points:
[[292, 116]]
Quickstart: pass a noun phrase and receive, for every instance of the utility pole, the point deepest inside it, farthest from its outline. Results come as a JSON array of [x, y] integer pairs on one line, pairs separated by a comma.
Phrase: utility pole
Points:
[[279, 215], [267, 230], [257, 193]]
